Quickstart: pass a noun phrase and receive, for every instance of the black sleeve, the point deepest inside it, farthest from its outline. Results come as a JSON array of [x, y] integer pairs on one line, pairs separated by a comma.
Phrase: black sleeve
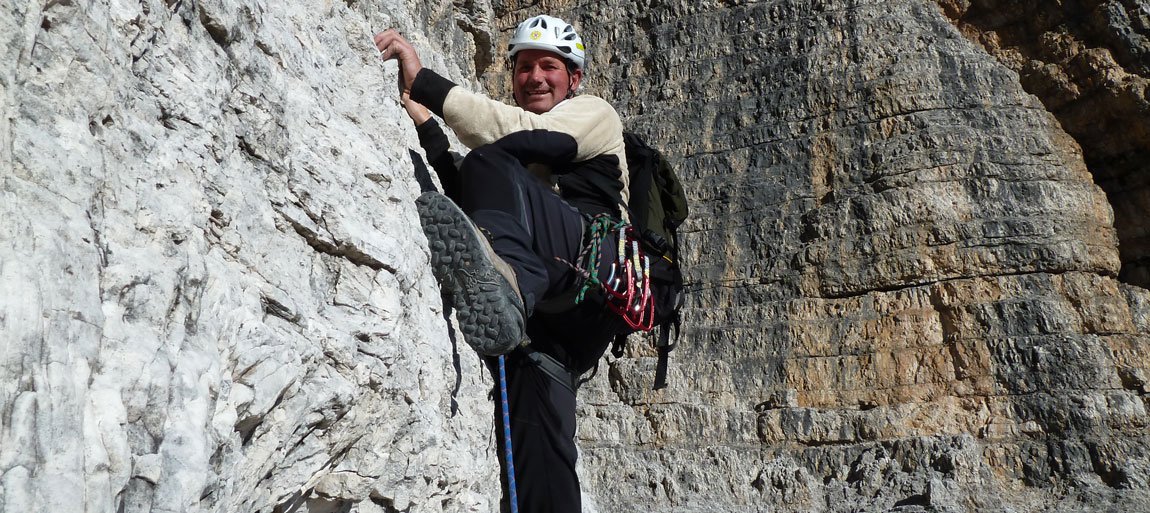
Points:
[[430, 89], [435, 145], [554, 149]]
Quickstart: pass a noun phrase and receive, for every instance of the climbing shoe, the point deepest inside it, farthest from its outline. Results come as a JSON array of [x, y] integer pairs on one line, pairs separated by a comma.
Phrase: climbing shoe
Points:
[[481, 286]]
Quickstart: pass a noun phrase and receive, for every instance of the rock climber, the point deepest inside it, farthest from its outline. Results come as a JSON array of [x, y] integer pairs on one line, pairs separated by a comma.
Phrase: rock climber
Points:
[[536, 172]]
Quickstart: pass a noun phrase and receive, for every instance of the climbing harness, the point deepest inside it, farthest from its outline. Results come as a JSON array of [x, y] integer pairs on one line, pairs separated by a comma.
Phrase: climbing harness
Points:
[[628, 284], [507, 434], [552, 368]]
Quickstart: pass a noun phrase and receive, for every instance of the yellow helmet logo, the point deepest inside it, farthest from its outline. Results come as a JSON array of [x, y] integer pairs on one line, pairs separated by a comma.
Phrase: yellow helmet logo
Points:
[[536, 34], [579, 46]]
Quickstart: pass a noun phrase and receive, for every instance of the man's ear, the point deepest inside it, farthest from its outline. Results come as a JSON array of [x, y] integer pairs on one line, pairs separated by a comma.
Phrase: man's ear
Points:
[[576, 79]]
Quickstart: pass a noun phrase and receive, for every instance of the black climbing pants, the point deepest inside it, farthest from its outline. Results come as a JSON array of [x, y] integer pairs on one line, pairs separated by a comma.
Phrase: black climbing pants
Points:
[[542, 440], [529, 226], [542, 404]]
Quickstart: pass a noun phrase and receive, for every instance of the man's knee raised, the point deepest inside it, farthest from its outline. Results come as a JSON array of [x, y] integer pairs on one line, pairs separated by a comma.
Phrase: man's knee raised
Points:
[[489, 161]]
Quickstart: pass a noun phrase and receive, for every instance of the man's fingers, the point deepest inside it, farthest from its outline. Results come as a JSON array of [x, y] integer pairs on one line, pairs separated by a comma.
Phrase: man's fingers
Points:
[[380, 39], [390, 43], [384, 41]]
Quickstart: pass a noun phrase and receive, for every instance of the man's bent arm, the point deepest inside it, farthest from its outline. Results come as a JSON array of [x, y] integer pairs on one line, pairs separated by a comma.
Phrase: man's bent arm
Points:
[[435, 145]]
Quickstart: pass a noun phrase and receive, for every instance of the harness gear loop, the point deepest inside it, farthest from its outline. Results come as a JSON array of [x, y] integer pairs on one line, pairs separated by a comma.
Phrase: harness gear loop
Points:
[[628, 285]]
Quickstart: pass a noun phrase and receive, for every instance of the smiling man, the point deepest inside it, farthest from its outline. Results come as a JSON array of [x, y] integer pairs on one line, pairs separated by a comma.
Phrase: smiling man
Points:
[[543, 79], [536, 173]]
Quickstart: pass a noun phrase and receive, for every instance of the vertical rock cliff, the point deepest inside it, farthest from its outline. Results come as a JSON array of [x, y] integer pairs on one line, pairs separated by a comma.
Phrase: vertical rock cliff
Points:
[[1089, 63], [905, 280], [213, 287], [915, 281]]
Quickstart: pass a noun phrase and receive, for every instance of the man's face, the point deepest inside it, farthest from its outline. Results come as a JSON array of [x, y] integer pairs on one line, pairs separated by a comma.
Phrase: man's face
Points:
[[541, 80]]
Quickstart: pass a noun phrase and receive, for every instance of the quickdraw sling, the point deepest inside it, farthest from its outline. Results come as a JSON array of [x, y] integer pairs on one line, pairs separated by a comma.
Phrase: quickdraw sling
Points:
[[627, 287]]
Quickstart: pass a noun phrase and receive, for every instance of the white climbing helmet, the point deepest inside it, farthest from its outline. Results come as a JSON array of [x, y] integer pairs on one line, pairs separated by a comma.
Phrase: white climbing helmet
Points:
[[548, 33]]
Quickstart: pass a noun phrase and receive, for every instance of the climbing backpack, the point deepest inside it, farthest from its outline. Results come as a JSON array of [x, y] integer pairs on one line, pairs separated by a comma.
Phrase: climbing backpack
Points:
[[635, 264], [657, 207]]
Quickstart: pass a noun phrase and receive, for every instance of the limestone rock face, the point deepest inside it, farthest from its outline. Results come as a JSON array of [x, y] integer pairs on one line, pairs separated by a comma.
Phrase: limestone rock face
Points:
[[213, 286], [1089, 64], [903, 279], [908, 290]]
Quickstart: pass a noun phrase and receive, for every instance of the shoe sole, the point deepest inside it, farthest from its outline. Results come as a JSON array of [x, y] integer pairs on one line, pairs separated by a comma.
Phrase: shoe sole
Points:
[[488, 308]]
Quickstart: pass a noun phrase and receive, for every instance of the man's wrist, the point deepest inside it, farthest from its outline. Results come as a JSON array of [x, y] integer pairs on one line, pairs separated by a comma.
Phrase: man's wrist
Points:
[[430, 90], [426, 125]]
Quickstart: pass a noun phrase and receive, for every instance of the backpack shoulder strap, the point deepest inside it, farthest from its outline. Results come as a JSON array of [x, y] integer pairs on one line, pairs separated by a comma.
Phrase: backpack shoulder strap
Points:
[[672, 196], [641, 177]]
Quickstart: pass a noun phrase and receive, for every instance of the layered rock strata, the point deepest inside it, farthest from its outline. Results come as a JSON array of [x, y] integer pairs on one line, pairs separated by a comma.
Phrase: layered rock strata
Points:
[[1089, 63], [904, 280]]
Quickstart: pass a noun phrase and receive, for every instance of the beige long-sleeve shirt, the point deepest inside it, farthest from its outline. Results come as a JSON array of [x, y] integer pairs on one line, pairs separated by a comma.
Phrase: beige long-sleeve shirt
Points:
[[589, 120]]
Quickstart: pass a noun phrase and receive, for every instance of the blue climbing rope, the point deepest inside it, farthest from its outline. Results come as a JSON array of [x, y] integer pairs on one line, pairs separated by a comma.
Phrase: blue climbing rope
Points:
[[507, 435]]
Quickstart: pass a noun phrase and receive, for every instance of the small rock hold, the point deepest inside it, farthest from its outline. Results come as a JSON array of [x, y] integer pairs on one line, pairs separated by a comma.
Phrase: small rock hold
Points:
[[779, 399], [147, 467]]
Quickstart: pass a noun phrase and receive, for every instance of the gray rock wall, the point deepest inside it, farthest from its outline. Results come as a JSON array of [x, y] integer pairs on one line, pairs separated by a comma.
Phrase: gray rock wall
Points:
[[213, 290], [903, 281], [1089, 63], [903, 278]]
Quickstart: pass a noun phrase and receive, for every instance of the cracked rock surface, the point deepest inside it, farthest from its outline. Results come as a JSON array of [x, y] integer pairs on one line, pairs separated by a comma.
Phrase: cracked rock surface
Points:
[[213, 287]]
